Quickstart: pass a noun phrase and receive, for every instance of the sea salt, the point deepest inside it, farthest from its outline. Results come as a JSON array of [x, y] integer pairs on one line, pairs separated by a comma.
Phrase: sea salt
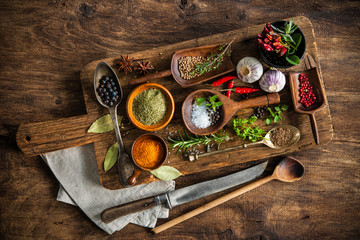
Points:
[[201, 115]]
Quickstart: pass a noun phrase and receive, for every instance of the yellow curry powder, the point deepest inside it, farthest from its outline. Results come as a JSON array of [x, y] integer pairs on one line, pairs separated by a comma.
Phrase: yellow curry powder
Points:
[[148, 153]]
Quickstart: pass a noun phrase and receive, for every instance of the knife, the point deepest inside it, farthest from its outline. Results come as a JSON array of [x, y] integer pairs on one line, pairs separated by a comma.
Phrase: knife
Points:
[[184, 195]]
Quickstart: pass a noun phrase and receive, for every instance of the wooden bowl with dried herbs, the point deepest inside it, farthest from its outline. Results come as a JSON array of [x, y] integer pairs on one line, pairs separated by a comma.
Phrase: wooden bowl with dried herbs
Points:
[[150, 107]]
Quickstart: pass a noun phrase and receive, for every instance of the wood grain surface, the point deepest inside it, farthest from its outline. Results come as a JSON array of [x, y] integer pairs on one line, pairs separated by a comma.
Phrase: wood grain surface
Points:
[[44, 46], [38, 138]]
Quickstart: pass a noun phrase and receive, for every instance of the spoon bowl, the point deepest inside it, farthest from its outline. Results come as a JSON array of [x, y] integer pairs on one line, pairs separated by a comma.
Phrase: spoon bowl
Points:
[[289, 170], [227, 110], [295, 138], [125, 166]]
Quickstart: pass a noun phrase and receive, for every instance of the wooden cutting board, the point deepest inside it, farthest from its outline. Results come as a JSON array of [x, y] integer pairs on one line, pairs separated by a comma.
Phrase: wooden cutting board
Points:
[[37, 138]]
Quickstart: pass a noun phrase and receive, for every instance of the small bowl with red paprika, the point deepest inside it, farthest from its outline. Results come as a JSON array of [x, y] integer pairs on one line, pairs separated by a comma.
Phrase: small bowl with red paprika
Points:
[[282, 44], [149, 151]]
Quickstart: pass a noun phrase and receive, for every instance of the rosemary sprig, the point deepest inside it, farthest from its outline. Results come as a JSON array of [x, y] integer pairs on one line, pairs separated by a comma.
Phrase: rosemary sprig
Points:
[[194, 141], [213, 61]]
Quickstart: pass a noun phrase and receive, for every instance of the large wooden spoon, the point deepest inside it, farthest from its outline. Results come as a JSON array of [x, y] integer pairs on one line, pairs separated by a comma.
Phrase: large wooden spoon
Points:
[[288, 170], [227, 110]]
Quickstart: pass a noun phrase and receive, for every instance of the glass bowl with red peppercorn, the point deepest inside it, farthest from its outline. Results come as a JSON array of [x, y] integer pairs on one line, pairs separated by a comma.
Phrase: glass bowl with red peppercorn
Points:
[[282, 44]]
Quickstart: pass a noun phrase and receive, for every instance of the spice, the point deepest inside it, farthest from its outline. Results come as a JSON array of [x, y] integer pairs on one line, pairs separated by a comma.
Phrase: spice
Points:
[[187, 66], [281, 136], [108, 91], [230, 85], [143, 67], [242, 90], [126, 64], [148, 153], [149, 106], [307, 96], [201, 115], [222, 80]]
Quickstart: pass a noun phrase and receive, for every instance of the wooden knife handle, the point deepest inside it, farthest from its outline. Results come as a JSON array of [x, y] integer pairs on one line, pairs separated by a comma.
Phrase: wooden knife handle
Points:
[[113, 213], [37, 138], [150, 77]]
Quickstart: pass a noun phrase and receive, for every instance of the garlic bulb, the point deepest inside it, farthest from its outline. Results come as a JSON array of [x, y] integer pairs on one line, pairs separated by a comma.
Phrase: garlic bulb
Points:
[[249, 69], [272, 81]]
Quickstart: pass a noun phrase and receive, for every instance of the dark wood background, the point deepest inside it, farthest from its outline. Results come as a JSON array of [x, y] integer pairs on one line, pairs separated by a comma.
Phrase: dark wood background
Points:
[[44, 45]]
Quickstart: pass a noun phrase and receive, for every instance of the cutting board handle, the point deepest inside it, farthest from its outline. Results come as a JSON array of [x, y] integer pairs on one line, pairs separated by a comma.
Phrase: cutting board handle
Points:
[[37, 138]]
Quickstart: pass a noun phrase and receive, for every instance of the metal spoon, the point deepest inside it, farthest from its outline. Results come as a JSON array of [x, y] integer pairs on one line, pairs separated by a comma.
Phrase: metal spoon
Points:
[[125, 166], [295, 138]]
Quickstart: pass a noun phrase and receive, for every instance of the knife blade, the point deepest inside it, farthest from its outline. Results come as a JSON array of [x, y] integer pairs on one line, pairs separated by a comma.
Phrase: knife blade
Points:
[[186, 194]]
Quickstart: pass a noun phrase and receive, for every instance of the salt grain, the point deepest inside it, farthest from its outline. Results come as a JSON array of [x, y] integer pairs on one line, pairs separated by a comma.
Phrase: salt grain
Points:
[[200, 116]]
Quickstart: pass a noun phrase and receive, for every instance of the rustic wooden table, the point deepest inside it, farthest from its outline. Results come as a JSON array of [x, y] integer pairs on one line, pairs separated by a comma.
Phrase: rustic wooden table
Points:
[[44, 44]]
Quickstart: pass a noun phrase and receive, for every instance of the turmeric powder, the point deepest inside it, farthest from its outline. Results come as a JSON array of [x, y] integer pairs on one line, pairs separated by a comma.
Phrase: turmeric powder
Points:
[[148, 153]]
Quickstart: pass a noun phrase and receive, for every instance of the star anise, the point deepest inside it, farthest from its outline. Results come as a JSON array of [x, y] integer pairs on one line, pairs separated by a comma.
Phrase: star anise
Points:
[[126, 64], [144, 67]]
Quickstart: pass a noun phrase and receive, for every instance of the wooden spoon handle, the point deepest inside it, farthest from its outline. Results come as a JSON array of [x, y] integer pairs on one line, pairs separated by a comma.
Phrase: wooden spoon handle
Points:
[[268, 99], [212, 204], [314, 128], [37, 138], [150, 77]]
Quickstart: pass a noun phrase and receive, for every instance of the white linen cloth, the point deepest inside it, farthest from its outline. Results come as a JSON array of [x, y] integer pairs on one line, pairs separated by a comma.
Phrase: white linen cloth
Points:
[[76, 170]]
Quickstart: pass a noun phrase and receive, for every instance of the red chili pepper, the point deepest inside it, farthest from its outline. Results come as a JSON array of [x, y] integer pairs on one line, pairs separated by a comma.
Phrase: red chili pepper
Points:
[[230, 85], [242, 90], [283, 51], [267, 47], [222, 80]]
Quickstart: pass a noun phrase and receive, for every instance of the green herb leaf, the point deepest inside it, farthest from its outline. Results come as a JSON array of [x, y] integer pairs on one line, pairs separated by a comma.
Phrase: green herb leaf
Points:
[[166, 173], [276, 118], [277, 108], [297, 38], [284, 107], [244, 128], [200, 101], [111, 157], [293, 59], [268, 121], [103, 124]]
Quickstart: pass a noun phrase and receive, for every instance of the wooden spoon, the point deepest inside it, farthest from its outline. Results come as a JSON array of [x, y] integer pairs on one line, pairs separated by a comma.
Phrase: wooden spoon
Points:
[[318, 89], [227, 110], [204, 51], [288, 170]]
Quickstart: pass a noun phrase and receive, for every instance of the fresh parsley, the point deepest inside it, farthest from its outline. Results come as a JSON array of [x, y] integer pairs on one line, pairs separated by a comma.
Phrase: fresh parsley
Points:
[[276, 113], [246, 129]]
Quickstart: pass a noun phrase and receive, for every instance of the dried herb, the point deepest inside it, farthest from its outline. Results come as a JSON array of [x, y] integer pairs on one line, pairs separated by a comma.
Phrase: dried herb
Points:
[[276, 114], [144, 67], [103, 124], [126, 64], [194, 141], [166, 173], [246, 129], [213, 61], [111, 157], [150, 106]]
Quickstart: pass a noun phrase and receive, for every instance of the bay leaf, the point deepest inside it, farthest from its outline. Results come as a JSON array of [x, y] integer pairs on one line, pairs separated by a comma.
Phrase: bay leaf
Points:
[[103, 124], [111, 157], [166, 173]]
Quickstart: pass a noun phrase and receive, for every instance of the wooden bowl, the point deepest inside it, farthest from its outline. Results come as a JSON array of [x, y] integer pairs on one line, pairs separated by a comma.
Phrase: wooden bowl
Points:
[[169, 113], [139, 168], [204, 51]]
